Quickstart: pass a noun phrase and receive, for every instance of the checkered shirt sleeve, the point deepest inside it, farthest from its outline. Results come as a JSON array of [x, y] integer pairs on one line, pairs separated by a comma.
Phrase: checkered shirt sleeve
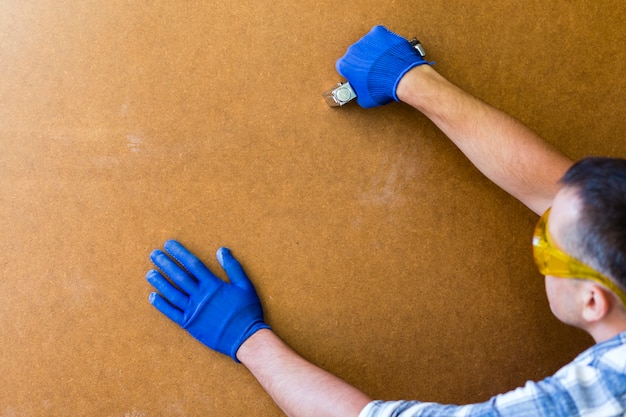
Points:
[[593, 384]]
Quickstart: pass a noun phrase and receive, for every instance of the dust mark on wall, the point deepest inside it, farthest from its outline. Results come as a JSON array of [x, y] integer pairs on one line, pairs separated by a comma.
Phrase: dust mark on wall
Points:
[[134, 143], [77, 289], [132, 413], [395, 174]]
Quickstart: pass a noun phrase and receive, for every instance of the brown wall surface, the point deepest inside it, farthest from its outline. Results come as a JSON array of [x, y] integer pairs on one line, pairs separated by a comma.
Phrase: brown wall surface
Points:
[[380, 253]]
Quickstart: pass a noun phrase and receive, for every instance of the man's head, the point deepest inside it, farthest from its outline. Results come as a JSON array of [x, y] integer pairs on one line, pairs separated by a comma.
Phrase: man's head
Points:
[[588, 222], [601, 227]]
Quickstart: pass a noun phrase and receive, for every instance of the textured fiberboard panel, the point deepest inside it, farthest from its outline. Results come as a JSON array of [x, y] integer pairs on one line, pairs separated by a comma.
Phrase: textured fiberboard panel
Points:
[[380, 253]]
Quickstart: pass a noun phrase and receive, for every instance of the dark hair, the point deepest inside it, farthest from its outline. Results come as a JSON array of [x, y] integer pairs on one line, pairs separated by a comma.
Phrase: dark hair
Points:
[[601, 230]]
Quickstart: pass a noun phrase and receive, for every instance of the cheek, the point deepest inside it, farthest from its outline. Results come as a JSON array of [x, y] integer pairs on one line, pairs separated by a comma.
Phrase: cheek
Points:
[[555, 293], [551, 288], [561, 297]]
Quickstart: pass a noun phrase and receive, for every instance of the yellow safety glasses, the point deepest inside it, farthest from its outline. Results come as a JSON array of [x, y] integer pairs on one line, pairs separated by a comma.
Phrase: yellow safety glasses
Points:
[[554, 262]]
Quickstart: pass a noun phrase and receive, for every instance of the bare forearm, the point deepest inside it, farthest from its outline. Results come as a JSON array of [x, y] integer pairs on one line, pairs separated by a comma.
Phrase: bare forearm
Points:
[[507, 152], [296, 385]]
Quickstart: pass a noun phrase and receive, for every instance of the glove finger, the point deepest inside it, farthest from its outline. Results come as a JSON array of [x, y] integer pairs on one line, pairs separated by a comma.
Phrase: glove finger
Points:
[[167, 290], [191, 263], [166, 308], [174, 272], [233, 269]]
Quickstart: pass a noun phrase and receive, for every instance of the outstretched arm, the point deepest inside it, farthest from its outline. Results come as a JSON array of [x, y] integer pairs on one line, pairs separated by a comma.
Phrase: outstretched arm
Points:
[[296, 385], [227, 317], [383, 67], [510, 154]]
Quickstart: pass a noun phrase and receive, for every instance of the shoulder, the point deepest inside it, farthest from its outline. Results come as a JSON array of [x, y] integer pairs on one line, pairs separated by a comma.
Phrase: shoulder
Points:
[[609, 356]]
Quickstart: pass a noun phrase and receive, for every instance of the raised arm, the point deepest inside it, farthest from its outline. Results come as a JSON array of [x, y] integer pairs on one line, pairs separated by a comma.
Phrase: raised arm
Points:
[[510, 154], [507, 152]]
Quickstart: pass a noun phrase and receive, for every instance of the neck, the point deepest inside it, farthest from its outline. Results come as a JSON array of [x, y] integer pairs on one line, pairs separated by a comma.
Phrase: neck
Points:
[[607, 328]]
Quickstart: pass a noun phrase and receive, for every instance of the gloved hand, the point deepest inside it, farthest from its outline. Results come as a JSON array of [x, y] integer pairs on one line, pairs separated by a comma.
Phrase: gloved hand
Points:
[[375, 65], [219, 314]]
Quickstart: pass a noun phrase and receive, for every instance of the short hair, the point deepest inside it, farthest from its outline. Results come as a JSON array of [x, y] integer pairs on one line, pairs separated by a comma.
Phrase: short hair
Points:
[[601, 229]]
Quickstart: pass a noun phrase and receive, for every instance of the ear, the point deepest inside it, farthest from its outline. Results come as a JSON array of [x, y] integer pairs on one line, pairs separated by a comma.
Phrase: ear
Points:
[[597, 302]]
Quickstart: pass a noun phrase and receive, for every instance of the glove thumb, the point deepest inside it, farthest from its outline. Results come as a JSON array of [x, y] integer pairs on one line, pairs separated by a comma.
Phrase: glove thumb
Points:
[[233, 269]]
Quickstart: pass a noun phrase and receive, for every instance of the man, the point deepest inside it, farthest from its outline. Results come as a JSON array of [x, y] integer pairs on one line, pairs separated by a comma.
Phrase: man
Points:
[[579, 244]]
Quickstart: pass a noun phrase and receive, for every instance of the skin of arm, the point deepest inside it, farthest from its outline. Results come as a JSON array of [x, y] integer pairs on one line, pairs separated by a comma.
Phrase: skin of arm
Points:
[[296, 385], [510, 154]]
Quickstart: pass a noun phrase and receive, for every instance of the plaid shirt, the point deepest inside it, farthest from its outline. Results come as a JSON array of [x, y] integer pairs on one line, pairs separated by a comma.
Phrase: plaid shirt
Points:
[[593, 384]]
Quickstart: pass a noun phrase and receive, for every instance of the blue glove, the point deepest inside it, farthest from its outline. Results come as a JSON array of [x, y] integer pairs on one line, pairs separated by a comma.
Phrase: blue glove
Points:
[[375, 65], [219, 314]]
